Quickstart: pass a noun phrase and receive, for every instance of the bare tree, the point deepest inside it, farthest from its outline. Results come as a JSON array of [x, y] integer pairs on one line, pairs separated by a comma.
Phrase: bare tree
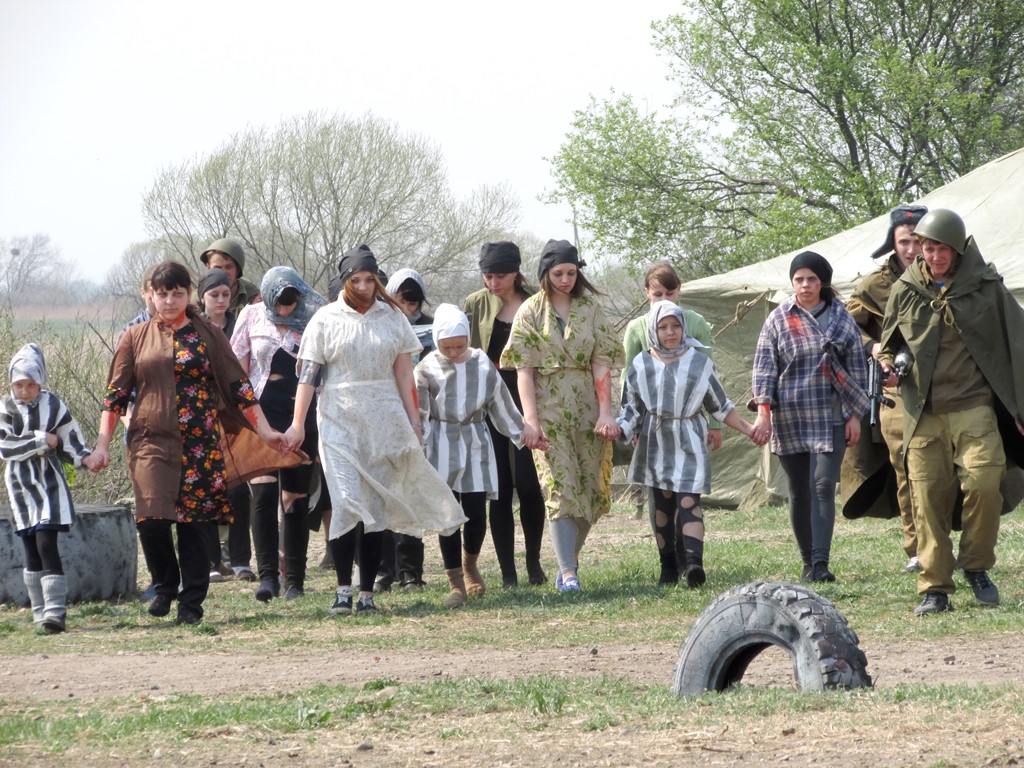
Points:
[[304, 193], [32, 271]]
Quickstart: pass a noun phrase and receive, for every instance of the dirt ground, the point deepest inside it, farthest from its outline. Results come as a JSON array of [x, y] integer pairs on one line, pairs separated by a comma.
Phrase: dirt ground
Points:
[[940, 738]]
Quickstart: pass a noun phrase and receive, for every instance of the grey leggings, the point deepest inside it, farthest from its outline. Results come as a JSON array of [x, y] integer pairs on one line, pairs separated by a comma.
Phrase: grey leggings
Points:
[[812, 497], [567, 537]]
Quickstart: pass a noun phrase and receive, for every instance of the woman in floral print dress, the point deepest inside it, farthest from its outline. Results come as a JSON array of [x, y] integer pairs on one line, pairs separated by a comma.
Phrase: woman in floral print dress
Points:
[[190, 391], [564, 350]]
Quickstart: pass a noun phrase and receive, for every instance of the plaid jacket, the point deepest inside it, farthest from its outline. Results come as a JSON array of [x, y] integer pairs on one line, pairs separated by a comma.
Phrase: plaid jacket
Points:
[[796, 368]]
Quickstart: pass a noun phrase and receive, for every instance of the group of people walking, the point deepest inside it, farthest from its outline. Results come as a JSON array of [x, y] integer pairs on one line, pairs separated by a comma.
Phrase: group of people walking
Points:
[[514, 390]]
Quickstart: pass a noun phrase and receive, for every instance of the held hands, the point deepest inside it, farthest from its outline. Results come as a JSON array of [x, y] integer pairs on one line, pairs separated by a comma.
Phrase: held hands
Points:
[[293, 437], [51, 441], [762, 430], [96, 461], [534, 437], [607, 428]]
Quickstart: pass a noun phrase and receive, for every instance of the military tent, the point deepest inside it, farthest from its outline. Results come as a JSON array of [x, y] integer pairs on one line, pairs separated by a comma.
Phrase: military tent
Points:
[[736, 303]]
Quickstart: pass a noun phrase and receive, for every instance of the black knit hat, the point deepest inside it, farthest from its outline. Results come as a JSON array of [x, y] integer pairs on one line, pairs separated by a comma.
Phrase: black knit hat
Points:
[[558, 252], [815, 262], [901, 215]]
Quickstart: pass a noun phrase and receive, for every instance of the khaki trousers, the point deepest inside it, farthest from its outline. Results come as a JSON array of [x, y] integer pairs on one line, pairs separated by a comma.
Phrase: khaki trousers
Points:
[[965, 448], [891, 422]]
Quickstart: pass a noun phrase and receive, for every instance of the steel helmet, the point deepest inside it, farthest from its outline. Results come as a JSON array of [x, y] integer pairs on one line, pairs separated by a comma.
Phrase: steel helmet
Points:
[[943, 226], [227, 246]]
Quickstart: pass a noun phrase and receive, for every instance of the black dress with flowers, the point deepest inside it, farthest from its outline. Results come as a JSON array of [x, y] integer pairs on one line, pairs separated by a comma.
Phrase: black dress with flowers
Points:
[[202, 493]]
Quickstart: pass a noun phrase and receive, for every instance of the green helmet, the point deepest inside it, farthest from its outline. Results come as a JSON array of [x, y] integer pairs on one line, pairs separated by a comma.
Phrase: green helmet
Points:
[[227, 246], [943, 226]]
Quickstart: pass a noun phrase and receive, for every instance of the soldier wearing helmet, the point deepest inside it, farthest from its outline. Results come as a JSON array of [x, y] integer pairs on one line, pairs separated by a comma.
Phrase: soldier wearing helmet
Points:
[[882, 455], [229, 255], [964, 328]]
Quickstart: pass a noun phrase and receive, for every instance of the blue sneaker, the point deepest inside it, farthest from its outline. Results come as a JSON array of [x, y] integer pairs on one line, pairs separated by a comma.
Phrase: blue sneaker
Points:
[[570, 584]]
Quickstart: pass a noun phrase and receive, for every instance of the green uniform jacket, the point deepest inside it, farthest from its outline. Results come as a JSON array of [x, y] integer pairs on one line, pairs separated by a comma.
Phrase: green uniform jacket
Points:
[[984, 312], [482, 307], [867, 304]]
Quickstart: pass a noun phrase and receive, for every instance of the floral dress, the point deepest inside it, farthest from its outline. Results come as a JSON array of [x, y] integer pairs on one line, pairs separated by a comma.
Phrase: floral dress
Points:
[[575, 471], [202, 492]]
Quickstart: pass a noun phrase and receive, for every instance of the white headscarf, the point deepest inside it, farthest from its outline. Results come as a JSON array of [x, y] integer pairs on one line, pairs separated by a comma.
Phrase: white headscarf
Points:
[[449, 321], [28, 363], [659, 311]]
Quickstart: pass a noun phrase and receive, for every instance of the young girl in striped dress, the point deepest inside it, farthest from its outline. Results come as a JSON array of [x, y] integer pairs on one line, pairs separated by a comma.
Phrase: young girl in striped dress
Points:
[[669, 388], [37, 434], [457, 387]]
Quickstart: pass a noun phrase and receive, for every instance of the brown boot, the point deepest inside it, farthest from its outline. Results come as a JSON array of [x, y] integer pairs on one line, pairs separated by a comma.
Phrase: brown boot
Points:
[[457, 597], [474, 581]]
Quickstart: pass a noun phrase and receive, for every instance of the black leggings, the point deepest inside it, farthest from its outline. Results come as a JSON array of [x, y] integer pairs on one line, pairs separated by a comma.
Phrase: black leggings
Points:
[[41, 553], [678, 524], [517, 471], [344, 550], [474, 505], [812, 497]]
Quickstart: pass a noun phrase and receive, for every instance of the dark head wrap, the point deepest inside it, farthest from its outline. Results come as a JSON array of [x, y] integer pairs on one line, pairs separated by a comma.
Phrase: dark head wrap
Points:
[[816, 263], [359, 259], [558, 252], [901, 215], [275, 282], [334, 288], [500, 258], [211, 278]]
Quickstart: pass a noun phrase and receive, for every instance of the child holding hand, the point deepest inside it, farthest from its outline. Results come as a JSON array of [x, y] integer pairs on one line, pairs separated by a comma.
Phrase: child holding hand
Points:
[[457, 387], [669, 389], [37, 434]]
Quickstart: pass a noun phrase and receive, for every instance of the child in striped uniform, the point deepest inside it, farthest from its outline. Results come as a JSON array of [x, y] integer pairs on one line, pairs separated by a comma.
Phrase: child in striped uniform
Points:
[[669, 387], [37, 433], [457, 387]]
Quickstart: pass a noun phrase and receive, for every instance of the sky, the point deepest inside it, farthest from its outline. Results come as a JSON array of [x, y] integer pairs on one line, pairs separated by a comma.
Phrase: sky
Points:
[[98, 96]]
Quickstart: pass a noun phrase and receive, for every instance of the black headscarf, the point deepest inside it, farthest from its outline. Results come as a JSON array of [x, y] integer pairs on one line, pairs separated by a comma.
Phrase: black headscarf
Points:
[[814, 262], [558, 252], [359, 259], [500, 258], [211, 278]]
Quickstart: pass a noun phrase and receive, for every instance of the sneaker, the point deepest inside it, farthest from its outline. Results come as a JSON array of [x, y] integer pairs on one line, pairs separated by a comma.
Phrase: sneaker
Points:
[[342, 602], [570, 584], [244, 573], [381, 586], [148, 593], [216, 577], [412, 586], [912, 566], [934, 602], [365, 604], [267, 590], [984, 590]]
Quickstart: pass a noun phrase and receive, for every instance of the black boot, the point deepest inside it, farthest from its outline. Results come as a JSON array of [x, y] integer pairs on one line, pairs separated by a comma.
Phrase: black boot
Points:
[[296, 542], [265, 539]]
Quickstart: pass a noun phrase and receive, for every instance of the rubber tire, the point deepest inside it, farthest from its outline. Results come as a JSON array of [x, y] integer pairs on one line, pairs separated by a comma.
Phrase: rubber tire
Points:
[[742, 622]]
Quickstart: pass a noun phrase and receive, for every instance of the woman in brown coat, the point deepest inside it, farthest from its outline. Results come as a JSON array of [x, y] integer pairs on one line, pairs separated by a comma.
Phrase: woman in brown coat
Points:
[[191, 434]]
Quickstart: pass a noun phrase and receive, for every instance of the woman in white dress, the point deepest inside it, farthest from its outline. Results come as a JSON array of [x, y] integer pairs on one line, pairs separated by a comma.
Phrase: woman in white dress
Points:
[[371, 440]]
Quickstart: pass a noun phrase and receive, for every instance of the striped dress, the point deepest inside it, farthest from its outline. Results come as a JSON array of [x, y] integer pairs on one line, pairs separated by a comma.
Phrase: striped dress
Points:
[[36, 487], [454, 400], [664, 408]]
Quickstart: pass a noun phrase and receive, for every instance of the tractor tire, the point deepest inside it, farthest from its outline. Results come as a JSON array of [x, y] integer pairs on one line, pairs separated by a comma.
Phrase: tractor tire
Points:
[[742, 622]]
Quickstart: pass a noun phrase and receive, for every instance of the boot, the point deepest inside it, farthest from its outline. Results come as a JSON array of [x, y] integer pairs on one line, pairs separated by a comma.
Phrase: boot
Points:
[[296, 544], [55, 596], [474, 581], [535, 571], [35, 595], [457, 597], [265, 539]]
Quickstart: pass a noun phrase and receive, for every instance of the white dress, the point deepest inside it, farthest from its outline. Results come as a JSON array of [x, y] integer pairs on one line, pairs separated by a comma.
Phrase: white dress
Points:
[[376, 471], [454, 400]]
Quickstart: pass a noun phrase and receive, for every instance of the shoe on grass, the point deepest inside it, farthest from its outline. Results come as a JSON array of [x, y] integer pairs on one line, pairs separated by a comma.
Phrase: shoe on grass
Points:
[[244, 573], [695, 576], [912, 566], [984, 590], [934, 602], [570, 584], [365, 604], [342, 602], [267, 591], [160, 606]]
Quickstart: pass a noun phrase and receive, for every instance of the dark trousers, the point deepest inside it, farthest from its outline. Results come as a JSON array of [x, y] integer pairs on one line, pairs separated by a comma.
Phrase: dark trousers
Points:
[[189, 568], [516, 471], [401, 559]]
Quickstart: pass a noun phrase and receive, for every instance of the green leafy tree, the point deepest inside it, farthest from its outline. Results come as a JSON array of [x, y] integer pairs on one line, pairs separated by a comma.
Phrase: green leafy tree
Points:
[[794, 119]]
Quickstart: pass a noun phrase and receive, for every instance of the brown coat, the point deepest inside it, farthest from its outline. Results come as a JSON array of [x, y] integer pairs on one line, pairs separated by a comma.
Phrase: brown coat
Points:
[[143, 361]]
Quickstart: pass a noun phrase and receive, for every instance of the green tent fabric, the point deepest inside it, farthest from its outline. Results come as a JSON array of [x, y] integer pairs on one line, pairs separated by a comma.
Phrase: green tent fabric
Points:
[[736, 304]]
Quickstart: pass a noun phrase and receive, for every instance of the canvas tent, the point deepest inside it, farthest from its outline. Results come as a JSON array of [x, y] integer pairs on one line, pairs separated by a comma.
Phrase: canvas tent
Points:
[[736, 303]]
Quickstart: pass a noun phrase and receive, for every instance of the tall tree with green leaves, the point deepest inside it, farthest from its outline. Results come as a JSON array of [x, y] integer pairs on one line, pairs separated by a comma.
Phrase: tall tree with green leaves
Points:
[[794, 119]]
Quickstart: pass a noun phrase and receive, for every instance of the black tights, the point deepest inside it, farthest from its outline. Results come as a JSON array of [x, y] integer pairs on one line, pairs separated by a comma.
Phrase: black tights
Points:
[[41, 553], [474, 505], [515, 470], [678, 524], [344, 550]]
